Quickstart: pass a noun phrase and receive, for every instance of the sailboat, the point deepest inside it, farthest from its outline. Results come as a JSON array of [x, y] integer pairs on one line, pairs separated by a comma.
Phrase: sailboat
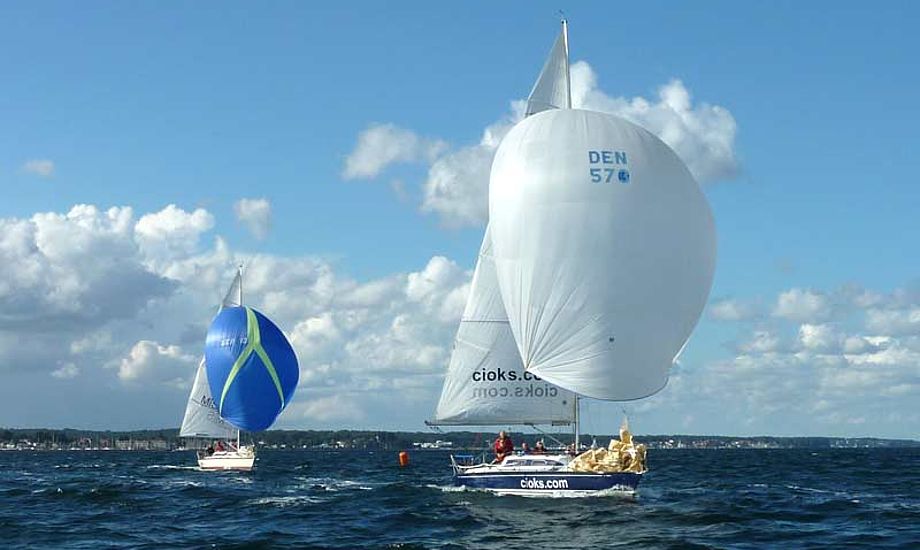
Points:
[[594, 269], [203, 421], [251, 368]]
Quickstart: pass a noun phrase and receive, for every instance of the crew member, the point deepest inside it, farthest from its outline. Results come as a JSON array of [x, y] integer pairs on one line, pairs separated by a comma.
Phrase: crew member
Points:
[[503, 446]]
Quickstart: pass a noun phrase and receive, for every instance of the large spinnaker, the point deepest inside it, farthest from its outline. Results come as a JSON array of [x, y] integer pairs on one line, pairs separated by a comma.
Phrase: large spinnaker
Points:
[[604, 249], [486, 383], [252, 368]]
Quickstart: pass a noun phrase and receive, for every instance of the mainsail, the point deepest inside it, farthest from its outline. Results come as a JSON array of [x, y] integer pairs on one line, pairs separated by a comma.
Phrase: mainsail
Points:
[[553, 87], [604, 246], [201, 417], [486, 383]]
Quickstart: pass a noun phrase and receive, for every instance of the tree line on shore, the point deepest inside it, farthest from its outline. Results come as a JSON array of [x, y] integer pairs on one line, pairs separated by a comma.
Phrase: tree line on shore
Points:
[[388, 440]]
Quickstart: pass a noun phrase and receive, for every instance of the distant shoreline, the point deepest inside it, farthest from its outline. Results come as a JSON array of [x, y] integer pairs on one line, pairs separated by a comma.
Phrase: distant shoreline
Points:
[[38, 439]]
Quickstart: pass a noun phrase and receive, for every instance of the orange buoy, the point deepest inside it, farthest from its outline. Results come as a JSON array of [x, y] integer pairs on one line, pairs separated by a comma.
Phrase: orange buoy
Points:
[[403, 459]]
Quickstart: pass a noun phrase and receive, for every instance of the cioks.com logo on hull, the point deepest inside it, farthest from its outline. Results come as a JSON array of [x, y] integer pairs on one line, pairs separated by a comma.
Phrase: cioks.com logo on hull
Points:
[[538, 483]]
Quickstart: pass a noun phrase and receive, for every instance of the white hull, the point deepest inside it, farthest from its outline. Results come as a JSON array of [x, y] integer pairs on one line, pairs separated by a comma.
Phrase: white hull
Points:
[[243, 460]]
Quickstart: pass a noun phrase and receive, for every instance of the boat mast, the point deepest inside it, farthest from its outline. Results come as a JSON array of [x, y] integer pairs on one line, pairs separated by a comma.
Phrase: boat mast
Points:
[[568, 76], [239, 272], [577, 438]]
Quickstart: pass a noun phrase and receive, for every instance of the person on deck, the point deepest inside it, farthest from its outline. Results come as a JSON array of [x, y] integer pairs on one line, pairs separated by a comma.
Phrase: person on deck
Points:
[[524, 448], [220, 446], [539, 449], [503, 446]]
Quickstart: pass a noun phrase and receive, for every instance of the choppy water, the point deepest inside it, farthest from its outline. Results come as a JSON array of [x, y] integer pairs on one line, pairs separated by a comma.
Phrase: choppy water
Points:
[[691, 498]]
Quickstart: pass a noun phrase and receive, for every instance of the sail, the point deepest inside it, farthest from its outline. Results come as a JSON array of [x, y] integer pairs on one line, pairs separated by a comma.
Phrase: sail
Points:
[[252, 369], [486, 383], [201, 417], [234, 295], [553, 87], [604, 250]]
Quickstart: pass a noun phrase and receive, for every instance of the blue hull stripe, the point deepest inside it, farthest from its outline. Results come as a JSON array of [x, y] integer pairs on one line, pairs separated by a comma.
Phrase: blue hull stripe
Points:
[[550, 481]]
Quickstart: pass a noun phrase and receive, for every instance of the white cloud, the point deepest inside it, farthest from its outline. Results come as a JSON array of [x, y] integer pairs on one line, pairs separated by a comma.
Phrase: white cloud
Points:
[[256, 214], [762, 341], [149, 361], [802, 305], [172, 231], [39, 167], [381, 145], [819, 337], [66, 372], [894, 321], [456, 188], [732, 310]]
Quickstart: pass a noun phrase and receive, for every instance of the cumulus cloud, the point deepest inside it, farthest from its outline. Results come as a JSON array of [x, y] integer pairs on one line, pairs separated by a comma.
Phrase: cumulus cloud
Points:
[[66, 372], [172, 231], [825, 362], [382, 145], [149, 361], [111, 299], [733, 310], [40, 167], [456, 187], [802, 305], [255, 214]]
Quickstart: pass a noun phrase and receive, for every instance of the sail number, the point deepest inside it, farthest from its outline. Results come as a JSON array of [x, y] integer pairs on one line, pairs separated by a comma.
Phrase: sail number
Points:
[[608, 167]]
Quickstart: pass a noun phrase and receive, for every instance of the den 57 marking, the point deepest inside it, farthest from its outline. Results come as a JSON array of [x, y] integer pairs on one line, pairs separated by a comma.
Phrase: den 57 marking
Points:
[[608, 166]]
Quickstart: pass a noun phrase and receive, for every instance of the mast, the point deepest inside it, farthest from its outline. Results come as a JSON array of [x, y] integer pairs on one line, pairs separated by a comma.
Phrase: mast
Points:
[[239, 272], [568, 75], [577, 438]]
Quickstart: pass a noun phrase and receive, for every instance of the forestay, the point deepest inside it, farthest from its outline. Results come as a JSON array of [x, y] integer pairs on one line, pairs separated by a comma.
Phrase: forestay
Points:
[[604, 251], [486, 383]]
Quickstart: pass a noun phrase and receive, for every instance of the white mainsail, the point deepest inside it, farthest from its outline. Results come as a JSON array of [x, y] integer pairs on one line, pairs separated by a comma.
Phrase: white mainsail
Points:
[[604, 244], [552, 89], [486, 383], [201, 416]]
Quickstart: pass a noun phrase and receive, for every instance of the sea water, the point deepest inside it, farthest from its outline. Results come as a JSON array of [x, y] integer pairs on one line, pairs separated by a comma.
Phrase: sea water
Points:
[[780, 498]]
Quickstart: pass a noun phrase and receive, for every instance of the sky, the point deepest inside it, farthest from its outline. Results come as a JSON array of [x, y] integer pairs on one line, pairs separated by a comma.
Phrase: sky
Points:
[[342, 153]]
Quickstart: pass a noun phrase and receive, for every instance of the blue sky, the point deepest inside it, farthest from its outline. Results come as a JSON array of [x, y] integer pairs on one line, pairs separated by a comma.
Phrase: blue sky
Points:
[[146, 104]]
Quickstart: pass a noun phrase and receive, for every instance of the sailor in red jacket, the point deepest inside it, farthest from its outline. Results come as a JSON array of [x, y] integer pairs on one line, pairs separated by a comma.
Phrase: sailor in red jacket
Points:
[[503, 446]]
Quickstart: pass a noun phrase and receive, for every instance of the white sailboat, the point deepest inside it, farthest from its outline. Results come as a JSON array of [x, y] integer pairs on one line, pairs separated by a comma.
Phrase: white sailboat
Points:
[[600, 253], [202, 419]]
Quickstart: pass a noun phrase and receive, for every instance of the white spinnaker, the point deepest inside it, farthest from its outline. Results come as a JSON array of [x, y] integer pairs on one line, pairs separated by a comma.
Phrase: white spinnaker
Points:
[[552, 89], [201, 416], [486, 383], [603, 281]]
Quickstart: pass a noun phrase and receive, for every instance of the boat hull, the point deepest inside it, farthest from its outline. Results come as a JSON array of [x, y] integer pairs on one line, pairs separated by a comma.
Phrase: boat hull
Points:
[[552, 484], [228, 460]]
